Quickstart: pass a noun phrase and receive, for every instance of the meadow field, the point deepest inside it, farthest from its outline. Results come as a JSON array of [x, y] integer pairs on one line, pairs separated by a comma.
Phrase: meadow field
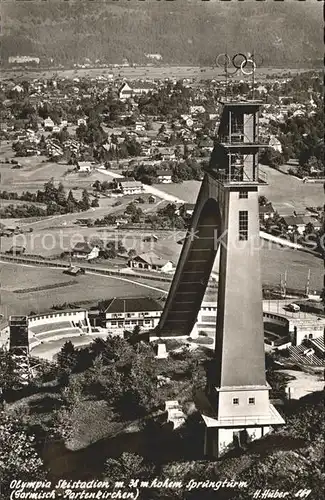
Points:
[[286, 193], [89, 288], [51, 241], [149, 72], [274, 262], [36, 170]]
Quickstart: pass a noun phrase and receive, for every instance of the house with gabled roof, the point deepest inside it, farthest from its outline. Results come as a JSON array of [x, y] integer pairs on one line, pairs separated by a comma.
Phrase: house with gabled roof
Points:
[[128, 89], [128, 185], [164, 176], [125, 313], [84, 250], [266, 212], [150, 261]]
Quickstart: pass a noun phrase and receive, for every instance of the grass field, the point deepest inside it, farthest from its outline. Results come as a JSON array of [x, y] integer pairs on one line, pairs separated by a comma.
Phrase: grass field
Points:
[[36, 170], [286, 193], [195, 72], [274, 262], [89, 288], [16, 203], [106, 206], [53, 241]]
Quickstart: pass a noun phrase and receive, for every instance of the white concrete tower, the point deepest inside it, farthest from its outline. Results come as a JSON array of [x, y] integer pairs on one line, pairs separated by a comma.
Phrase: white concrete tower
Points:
[[236, 406]]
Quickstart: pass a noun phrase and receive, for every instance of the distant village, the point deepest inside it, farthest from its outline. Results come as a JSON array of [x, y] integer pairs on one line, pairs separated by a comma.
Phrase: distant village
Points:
[[151, 132]]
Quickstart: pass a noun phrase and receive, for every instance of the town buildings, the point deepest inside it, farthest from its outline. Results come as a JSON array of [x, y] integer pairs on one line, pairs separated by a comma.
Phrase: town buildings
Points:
[[299, 223]]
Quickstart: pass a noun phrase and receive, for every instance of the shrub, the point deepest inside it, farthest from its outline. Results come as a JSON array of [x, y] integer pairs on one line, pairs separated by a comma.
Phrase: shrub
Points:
[[203, 340]]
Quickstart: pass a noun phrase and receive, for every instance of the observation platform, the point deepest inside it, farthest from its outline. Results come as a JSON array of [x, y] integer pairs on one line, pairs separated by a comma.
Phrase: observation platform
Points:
[[236, 179]]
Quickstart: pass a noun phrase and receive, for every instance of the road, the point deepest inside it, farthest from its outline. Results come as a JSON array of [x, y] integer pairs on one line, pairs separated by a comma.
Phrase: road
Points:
[[303, 383], [133, 282]]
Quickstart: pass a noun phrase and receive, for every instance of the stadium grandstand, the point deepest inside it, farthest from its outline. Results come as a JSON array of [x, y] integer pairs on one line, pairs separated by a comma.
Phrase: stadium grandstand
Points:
[[309, 353], [48, 332]]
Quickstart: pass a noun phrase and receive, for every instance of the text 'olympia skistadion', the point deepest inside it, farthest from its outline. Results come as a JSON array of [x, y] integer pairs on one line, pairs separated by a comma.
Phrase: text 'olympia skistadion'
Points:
[[236, 403]]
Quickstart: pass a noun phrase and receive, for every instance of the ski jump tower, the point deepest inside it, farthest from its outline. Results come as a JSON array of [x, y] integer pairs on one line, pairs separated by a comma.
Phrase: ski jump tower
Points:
[[235, 406]]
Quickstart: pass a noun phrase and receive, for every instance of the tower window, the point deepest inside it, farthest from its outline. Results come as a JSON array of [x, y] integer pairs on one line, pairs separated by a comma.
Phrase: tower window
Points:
[[243, 224], [251, 401], [235, 401], [243, 194]]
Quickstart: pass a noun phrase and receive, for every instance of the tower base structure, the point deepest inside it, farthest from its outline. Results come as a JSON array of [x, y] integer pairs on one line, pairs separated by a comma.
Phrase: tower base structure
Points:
[[224, 430]]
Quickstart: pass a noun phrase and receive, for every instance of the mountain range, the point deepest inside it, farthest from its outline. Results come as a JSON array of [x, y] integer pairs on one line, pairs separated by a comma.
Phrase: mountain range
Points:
[[187, 32]]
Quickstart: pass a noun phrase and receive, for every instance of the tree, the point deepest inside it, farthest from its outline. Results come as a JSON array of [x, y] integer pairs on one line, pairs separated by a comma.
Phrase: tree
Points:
[[136, 217], [63, 135], [8, 378], [136, 330], [127, 467], [262, 201], [271, 157], [132, 253], [95, 203], [131, 209], [97, 185], [140, 395], [120, 247], [71, 198], [162, 129], [309, 228], [84, 203], [19, 458], [104, 380], [61, 196], [50, 191], [52, 208], [71, 204], [67, 358], [81, 132], [110, 250]]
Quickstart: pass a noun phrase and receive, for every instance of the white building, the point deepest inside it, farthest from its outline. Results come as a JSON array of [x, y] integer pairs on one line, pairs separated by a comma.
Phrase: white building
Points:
[[275, 143], [83, 250], [157, 57], [48, 124], [23, 59], [121, 314], [151, 262], [129, 90], [164, 176], [84, 166], [81, 121], [128, 186]]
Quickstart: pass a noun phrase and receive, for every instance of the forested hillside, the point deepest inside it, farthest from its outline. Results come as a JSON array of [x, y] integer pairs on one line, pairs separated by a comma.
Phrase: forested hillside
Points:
[[183, 32]]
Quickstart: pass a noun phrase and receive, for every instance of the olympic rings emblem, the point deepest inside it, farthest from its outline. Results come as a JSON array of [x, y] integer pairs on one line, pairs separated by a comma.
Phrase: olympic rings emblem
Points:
[[239, 62]]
